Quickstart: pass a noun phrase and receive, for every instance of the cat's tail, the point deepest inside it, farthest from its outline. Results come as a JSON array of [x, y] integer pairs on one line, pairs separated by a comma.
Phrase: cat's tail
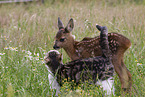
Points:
[[104, 41]]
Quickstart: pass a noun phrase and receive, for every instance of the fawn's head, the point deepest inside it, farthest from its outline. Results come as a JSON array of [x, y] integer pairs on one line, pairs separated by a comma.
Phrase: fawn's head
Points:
[[53, 59], [64, 37]]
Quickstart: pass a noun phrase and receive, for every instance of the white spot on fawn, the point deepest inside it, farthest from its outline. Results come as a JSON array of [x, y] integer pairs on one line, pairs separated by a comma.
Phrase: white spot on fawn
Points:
[[74, 36]]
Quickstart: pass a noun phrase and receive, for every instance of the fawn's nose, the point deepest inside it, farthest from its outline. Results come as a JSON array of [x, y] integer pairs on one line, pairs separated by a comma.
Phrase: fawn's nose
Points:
[[56, 47]]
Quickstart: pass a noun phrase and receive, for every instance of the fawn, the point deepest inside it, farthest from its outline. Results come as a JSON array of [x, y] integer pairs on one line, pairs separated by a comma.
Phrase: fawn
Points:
[[100, 68], [89, 47]]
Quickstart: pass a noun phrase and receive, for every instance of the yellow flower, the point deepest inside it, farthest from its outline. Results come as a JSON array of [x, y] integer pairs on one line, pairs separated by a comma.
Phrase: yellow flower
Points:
[[13, 48], [37, 54], [36, 58], [33, 69], [139, 64], [6, 48], [2, 53]]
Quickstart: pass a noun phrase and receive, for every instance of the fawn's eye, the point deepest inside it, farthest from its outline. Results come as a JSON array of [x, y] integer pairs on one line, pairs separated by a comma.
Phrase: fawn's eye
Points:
[[62, 39]]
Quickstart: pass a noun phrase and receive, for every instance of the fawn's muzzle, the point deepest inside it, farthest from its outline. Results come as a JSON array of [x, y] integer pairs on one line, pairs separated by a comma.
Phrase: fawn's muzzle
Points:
[[56, 47]]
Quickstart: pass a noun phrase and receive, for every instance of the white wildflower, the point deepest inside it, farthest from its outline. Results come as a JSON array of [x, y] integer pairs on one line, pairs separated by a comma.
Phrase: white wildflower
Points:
[[20, 45], [30, 57], [37, 54], [29, 53], [139, 64], [6, 48], [13, 48], [2, 53], [15, 27], [40, 47], [36, 58], [34, 69], [42, 62], [87, 20], [75, 20], [23, 50]]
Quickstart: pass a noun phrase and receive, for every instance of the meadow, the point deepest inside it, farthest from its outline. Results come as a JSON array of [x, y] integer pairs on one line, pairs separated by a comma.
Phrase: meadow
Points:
[[27, 32]]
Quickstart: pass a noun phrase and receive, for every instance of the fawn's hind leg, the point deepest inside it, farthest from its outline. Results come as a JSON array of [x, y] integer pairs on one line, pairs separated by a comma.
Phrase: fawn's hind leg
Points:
[[127, 82], [123, 73]]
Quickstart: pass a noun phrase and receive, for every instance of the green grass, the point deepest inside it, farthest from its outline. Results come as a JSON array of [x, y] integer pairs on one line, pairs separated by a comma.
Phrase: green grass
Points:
[[27, 32]]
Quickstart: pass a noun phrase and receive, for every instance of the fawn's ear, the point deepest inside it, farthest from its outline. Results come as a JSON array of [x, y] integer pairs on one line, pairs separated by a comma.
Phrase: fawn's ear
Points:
[[70, 25], [60, 24]]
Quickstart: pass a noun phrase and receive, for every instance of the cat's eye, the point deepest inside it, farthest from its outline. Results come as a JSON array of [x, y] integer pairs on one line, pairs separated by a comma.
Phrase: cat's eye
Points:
[[62, 39]]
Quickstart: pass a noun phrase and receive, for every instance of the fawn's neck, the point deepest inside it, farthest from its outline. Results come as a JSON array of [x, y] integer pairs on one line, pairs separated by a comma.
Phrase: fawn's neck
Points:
[[71, 51]]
